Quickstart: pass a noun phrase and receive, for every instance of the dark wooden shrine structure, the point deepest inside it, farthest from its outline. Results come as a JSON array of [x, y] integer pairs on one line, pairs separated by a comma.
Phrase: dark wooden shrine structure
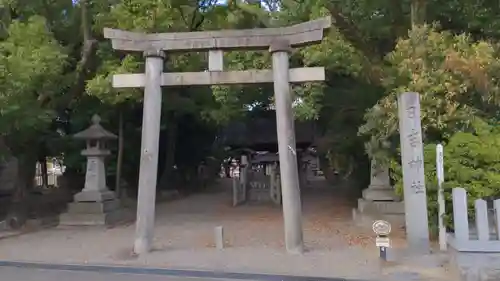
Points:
[[258, 133]]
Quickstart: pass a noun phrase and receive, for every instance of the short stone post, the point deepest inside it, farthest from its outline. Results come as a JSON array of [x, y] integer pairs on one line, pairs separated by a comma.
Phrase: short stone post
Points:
[[482, 224], [151, 118], [460, 219], [417, 221], [496, 207], [95, 204], [478, 241], [292, 209], [219, 237]]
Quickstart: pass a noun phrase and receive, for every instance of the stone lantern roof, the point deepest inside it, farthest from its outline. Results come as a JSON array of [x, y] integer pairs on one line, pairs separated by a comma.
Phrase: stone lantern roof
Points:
[[95, 131]]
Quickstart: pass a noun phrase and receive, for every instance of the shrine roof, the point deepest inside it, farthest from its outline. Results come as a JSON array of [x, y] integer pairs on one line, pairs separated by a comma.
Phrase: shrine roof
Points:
[[259, 133]]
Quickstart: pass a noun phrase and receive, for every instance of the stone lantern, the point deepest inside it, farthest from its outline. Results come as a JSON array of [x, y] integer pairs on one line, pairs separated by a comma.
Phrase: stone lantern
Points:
[[379, 200], [95, 204]]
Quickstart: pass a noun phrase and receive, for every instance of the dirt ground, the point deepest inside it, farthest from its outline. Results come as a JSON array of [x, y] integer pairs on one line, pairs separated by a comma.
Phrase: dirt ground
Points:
[[184, 239]]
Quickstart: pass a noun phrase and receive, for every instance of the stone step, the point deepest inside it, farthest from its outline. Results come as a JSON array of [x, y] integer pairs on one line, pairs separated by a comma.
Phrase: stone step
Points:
[[102, 219], [384, 207], [366, 220], [379, 194], [93, 207]]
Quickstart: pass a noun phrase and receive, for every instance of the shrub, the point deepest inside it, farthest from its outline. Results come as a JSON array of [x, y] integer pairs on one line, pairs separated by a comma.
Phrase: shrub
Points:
[[471, 161]]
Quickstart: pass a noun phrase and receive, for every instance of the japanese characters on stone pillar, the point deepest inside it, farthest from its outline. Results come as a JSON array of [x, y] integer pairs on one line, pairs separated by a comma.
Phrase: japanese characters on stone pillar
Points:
[[279, 40], [412, 161]]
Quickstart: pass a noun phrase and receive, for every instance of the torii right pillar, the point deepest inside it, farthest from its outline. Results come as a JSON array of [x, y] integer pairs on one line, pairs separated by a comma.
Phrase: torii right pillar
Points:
[[292, 206]]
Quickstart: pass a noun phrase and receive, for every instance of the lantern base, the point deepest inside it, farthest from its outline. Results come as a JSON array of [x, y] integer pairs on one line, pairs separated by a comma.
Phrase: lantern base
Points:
[[94, 195], [94, 213]]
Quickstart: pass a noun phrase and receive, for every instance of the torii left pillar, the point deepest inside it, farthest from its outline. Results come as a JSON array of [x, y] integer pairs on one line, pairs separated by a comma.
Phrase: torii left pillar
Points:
[[151, 119]]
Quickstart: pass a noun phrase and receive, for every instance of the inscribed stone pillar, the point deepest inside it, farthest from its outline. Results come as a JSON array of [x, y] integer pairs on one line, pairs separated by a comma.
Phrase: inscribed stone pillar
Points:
[[292, 209], [148, 172], [417, 228]]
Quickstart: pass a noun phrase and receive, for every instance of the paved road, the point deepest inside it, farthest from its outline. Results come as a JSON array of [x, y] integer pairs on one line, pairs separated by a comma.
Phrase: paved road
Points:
[[15, 271], [23, 274]]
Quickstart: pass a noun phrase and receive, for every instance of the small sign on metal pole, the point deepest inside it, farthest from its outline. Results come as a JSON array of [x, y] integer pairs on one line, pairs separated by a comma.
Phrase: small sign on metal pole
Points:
[[382, 241]]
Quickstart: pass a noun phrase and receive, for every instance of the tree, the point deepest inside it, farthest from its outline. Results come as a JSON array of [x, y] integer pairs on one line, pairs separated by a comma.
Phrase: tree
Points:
[[162, 16], [455, 76], [32, 63], [43, 68]]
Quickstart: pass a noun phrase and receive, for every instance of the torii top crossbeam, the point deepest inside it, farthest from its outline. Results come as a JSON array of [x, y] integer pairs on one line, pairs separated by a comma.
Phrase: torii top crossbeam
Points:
[[310, 32]]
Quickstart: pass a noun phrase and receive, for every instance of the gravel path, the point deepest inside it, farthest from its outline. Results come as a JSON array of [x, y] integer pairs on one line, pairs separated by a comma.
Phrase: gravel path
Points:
[[254, 239]]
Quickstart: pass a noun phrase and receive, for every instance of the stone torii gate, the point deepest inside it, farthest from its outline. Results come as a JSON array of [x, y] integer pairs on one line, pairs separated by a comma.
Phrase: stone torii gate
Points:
[[279, 41]]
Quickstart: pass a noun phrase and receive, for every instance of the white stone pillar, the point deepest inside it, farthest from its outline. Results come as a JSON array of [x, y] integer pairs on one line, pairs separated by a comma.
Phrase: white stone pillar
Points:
[[412, 161], [460, 211], [151, 118], [292, 209]]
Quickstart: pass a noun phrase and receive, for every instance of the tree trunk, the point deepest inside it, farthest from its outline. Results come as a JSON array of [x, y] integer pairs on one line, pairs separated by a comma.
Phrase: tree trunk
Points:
[[119, 161], [171, 143], [418, 12], [19, 210], [87, 64], [25, 176]]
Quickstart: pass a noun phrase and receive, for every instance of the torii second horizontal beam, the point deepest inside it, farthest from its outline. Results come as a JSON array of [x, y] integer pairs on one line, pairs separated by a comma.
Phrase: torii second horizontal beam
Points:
[[297, 75]]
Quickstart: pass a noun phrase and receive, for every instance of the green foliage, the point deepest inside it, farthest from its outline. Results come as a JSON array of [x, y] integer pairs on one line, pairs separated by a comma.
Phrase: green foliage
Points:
[[369, 57], [474, 162], [100, 86], [456, 78], [31, 67]]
